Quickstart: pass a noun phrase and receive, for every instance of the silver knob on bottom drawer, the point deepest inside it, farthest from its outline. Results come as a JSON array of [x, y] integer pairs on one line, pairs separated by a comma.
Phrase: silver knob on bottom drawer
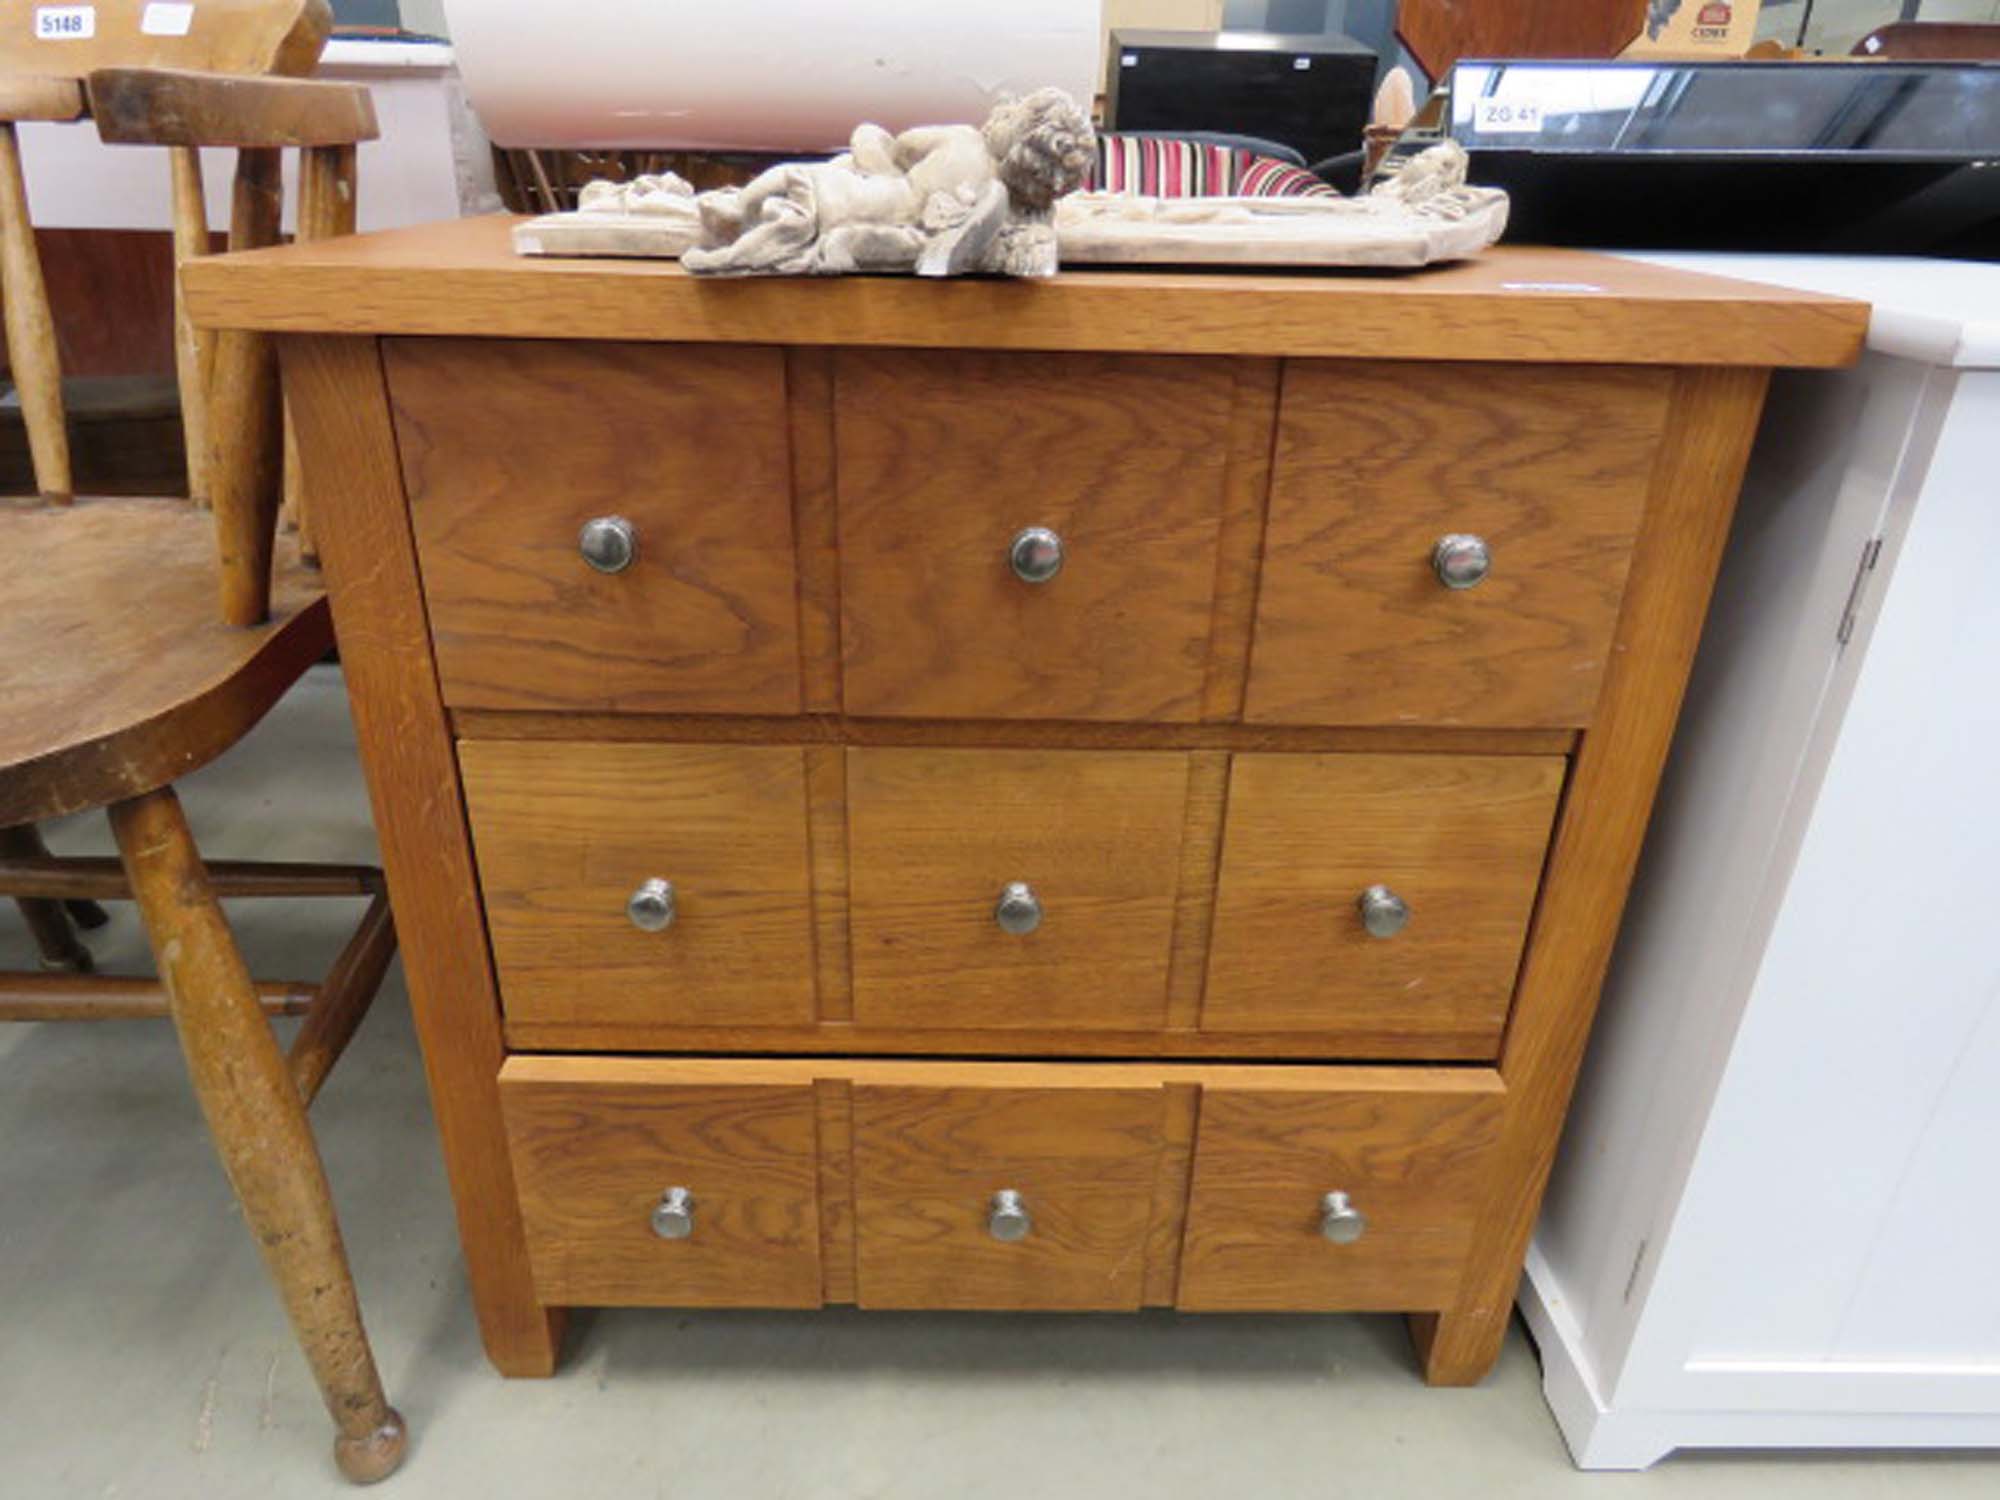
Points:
[[1035, 555], [651, 907], [1007, 1218], [1460, 561], [1019, 909], [1383, 912], [608, 543], [673, 1215], [1340, 1221]]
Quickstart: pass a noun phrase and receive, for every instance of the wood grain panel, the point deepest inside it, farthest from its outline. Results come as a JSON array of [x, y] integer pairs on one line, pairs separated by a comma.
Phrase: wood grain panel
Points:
[[1393, 1041], [1170, 1194], [1194, 903], [181, 107], [1411, 1159], [40, 98], [1374, 464], [955, 1073], [935, 834], [1239, 548], [164, 687], [566, 832], [826, 827], [223, 36], [111, 292], [342, 407], [995, 734], [1597, 845], [1460, 838], [816, 524], [927, 1162], [1440, 32], [508, 449], [1512, 302], [909, 1155], [834, 1098], [592, 1164], [944, 457]]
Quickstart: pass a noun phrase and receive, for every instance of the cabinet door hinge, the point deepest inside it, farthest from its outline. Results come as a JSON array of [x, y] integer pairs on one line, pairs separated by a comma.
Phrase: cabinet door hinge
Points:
[[1869, 554]]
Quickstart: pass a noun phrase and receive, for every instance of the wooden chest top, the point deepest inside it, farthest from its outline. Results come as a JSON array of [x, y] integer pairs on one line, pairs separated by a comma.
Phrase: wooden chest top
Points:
[[1513, 303]]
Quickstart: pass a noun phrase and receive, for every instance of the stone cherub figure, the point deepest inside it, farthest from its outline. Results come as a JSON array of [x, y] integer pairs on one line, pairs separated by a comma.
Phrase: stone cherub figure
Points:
[[939, 200]]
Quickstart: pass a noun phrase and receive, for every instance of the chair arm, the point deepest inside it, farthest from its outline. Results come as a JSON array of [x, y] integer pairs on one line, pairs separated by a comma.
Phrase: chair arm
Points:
[[173, 107], [25, 97]]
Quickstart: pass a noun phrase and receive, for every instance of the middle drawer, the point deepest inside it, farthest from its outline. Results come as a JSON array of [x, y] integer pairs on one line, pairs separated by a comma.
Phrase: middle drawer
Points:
[[914, 899], [1013, 888]]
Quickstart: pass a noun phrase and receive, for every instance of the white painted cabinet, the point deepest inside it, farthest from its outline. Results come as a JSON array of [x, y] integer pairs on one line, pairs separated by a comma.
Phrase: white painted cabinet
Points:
[[1775, 1221]]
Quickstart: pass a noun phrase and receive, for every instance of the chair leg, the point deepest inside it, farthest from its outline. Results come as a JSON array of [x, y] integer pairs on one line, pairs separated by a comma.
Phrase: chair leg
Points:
[[258, 1123], [47, 920], [54, 937], [343, 999]]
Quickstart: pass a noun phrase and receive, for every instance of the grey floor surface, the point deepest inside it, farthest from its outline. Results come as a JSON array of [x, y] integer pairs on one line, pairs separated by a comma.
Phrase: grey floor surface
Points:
[[143, 1355]]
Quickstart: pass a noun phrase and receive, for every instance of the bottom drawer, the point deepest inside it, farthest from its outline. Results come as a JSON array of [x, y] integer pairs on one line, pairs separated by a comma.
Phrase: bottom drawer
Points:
[[788, 1183], [1323, 1195], [1030, 1192], [597, 1160]]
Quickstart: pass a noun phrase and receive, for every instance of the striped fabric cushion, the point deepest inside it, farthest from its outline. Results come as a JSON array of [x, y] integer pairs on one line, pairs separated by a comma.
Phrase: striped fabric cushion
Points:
[[1267, 177], [1167, 168]]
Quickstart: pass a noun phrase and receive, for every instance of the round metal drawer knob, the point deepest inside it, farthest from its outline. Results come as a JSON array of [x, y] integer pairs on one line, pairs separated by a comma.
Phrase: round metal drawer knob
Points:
[[1340, 1221], [1383, 912], [1460, 561], [608, 543], [1007, 1217], [651, 907], [1019, 909], [1036, 555], [673, 1215]]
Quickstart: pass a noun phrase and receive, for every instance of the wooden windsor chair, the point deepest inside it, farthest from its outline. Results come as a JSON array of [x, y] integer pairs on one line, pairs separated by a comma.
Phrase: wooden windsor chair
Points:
[[118, 672]]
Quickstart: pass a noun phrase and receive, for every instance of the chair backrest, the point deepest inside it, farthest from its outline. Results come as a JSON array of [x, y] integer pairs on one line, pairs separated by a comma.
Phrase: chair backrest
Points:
[[52, 39], [149, 70]]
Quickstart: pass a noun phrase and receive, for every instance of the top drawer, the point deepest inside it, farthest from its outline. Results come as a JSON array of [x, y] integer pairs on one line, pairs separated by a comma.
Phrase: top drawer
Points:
[[1143, 476], [1546, 467], [510, 448], [944, 459]]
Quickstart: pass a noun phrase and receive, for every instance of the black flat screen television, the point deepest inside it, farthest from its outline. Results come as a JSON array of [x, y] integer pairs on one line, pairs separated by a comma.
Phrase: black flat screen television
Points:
[[1311, 93], [1849, 158]]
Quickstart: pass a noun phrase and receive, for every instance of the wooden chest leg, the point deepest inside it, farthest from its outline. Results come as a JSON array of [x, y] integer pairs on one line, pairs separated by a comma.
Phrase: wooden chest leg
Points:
[[1459, 1347], [258, 1122], [341, 406], [1709, 432]]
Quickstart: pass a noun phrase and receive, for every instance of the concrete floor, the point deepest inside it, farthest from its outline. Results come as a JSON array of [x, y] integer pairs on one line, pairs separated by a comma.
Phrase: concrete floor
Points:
[[142, 1354]]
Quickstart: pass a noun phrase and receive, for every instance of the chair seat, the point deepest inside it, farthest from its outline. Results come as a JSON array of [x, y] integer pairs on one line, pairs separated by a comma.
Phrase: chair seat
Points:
[[117, 674]]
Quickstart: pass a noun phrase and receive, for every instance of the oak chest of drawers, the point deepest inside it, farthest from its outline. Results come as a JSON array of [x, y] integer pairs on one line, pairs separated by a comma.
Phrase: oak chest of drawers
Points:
[[1098, 794]]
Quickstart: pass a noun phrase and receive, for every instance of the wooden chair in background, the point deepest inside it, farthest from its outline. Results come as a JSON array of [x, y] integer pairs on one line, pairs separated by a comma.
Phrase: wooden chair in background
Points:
[[118, 673]]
